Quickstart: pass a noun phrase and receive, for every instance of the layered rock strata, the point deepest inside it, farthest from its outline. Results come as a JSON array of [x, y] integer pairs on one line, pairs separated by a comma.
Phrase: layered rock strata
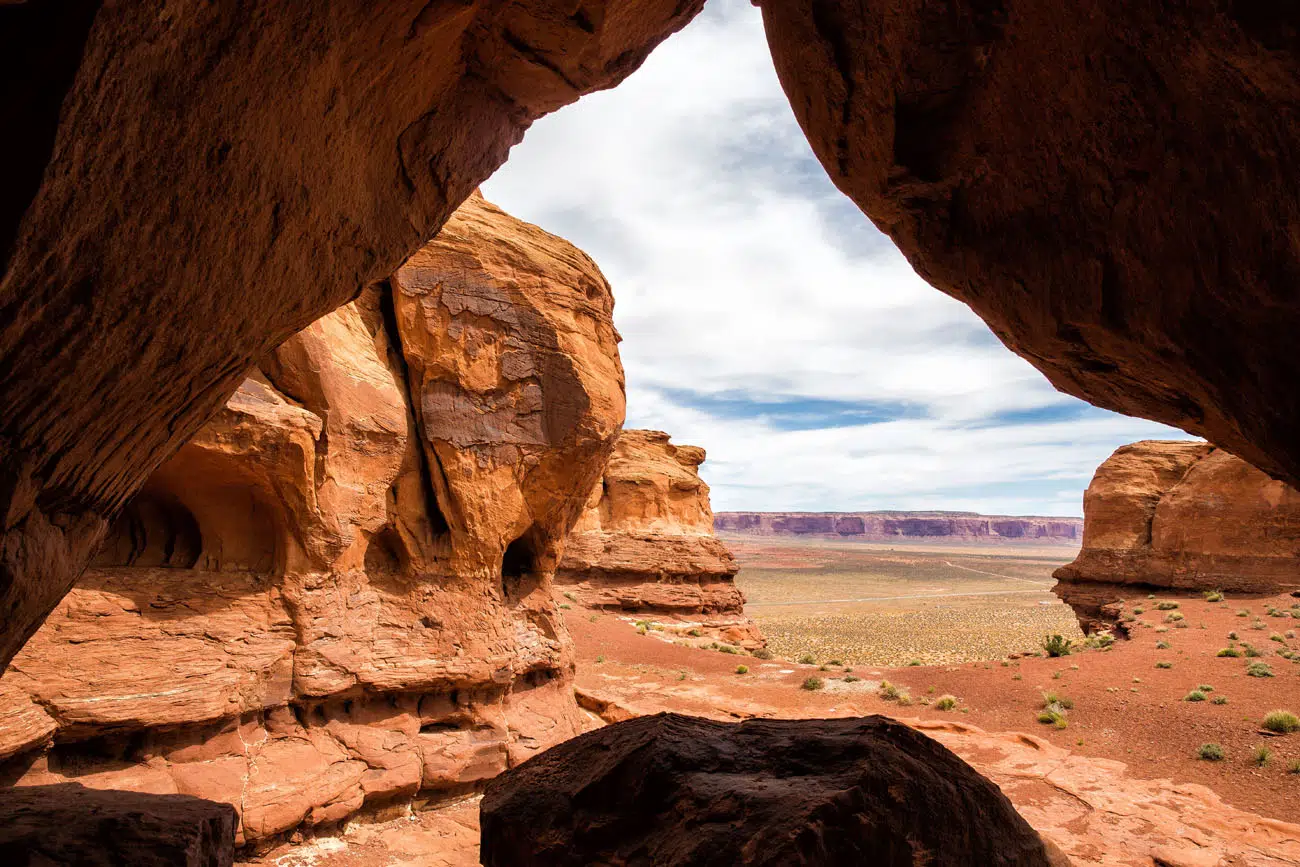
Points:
[[645, 543], [1181, 515], [336, 597], [187, 184], [896, 526], [673, 791]]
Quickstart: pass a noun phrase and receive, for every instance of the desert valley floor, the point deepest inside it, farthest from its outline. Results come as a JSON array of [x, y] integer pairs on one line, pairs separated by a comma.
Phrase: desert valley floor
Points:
[[1118, 783]]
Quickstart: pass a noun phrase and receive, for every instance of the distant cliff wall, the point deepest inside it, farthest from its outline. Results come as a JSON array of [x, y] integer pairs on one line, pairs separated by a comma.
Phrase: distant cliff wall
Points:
[[893, 526]]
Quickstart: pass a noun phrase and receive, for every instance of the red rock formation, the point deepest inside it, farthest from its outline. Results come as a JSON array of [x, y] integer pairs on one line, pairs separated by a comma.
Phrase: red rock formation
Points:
[[645, 543], [1185, 515], [69, 824], [335, 597], [895, 526], [1110, 185], [673, 791], [186, 187]]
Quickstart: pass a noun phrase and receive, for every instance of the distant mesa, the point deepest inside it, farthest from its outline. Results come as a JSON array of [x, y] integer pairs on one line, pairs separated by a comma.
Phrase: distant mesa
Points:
[[889, 526]]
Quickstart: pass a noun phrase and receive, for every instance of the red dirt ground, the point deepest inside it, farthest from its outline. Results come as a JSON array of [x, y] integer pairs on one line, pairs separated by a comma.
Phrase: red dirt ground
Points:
[[1145, 724]]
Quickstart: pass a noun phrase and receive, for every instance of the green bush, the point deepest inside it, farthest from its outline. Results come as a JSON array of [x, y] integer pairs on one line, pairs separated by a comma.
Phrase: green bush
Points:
[[1057, 645], [1195, 695], [851, 678], [762, 653], [1230, 652], [888, 691], [1162, 645], [1166, 605], [1219, 699], [1261, 756], [1259, 669], [945, 702], [813, 683], [1282, 721], [695, 633], [1213, 595], [1174, 617], [742, 669], [1211, 753], [728, 648], [1251, 650], [807, 659], [1205, 687], [1053, 699], [838, 662]]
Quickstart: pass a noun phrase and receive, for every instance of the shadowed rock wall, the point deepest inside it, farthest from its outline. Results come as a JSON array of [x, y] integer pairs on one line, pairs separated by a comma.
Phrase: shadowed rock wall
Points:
[[337, 596], [1185, 515]]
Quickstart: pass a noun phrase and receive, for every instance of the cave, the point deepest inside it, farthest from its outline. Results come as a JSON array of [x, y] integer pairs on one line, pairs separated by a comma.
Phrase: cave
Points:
[[172, 216]]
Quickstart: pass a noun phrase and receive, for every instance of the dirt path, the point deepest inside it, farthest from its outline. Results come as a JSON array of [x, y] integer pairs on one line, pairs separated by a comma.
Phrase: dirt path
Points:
[[997, 575]]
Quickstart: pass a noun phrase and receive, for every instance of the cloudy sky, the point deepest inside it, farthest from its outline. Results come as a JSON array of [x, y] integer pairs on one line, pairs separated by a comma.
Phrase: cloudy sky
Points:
[[765, 318]]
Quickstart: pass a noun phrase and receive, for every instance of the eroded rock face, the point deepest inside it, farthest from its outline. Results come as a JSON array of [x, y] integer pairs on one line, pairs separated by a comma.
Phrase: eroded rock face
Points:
[[1109, 185], [312, 608], [70, 824], [645, 543], [892, 526], [675, 790], [187, 187], [1185, 515]]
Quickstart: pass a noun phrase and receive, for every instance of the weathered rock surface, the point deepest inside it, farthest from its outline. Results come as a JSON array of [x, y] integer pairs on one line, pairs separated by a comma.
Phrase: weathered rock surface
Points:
[[42, 826], [186, 187], [893, 526], [645, 543], [677, 790], [1183, 515], [1109, 185], [319, 605]]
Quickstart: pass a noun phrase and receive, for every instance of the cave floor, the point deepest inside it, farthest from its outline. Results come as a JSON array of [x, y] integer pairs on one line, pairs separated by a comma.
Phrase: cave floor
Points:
[[1121, 784]]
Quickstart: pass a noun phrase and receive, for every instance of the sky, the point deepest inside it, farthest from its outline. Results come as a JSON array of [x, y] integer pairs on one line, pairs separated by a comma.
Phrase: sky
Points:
[[766, 319]]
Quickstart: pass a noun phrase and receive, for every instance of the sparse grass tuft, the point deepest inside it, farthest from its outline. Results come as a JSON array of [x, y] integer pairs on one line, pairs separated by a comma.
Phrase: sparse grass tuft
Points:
[[851, 678], [742, 669], [1174, 617], [1259, 669], [1230, 652], [599, 660], [1051, 698], [1195, 695], [1282, 721], [1261, 756], [807, 659], [1166, 605], [1213, 595], [1219, 699], [1163, 664], [1243, 613], [888, 691], [838, 662], [1211, 753], [728, 648], [695, 633], [813, 683], [762, 653], [1162, 645], [945, 702], [1205, 687]]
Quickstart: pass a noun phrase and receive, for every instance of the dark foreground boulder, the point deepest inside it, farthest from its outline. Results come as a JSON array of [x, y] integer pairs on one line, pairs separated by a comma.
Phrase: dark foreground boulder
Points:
[[42, 826], [671, 790]]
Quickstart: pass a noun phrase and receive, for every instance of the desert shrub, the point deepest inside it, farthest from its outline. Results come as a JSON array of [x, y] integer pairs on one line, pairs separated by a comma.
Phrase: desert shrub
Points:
[[1261, 756], [1211, 753], [1139, 610], [1057, 645], [1163, 664], [564, 606], [836, 662], [1282, 721], [695, 633], [851, 678], [1100, 640], [1195, 695], [742, 669], [1257, 624], [599, 659], [1174, 617], [728, 648], [904, 698], [913, 663], [1259, 669], [1162, 645], [569, 596], [1229, 652], [1232, 636], [640, 630], [1251, 651], [1294, 767], [762, 653], [1166, 605], [1205, 687], [813, 683], [1277, 637], [1244, 612], [1213, 595], [1054, 718], [807, 659], [1052, 698], [888, 691], [823, 668], [1219, 699], [945, 702]]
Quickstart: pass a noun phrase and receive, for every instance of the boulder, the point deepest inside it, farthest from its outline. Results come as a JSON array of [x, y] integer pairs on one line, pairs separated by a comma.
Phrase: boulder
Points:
[[319, 606], [645, 543], [1182, 515], [671, 790], [42, 826]]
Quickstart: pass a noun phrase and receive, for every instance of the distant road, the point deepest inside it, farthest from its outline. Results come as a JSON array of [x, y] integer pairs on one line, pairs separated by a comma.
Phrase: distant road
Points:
[[998, 575]]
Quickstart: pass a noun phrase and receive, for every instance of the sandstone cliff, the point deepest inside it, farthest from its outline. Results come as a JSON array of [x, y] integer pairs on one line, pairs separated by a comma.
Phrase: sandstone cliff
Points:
[[645, 543], [337, 595], [895, 526], [1184, 515]]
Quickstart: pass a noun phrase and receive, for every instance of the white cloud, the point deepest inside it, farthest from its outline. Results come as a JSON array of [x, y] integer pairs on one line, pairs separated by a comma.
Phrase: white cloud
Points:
[[740, 272]]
